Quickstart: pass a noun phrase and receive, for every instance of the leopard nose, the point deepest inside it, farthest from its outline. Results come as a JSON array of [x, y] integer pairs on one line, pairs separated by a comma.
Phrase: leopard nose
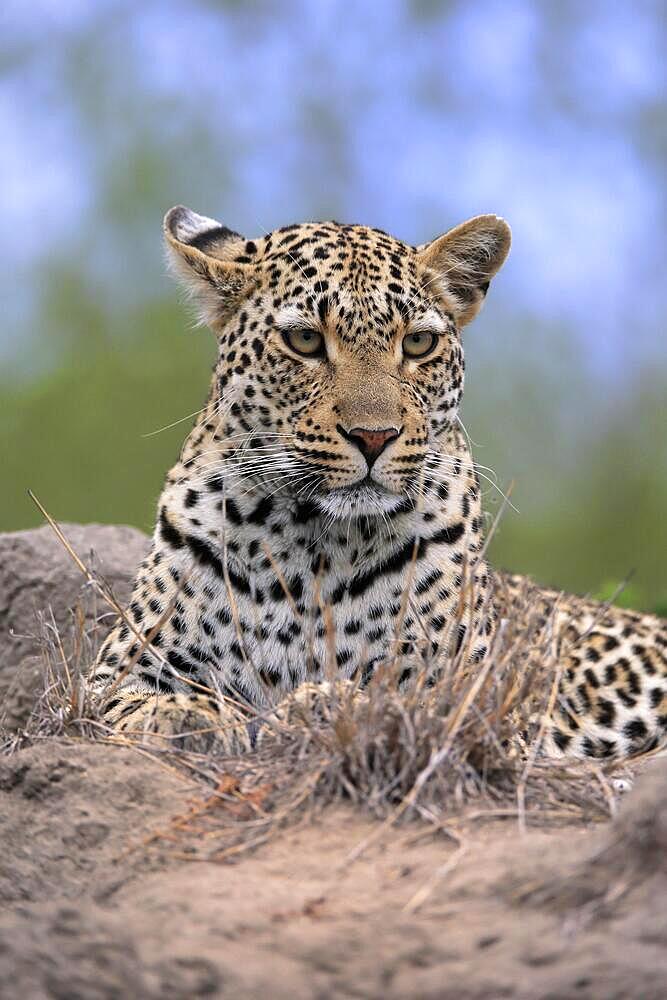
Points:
[[371, 442]]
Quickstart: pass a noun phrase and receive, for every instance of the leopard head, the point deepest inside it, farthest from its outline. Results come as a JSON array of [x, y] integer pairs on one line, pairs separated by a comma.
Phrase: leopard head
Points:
[[340, 363]]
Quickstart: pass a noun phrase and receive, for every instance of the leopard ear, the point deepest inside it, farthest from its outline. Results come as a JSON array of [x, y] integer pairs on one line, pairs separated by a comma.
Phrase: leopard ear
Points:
[[465, 259], [210, 260]]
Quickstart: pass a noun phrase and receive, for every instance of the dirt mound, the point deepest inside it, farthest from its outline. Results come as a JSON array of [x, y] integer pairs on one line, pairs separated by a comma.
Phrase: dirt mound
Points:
[[107, 889], [95, 906]]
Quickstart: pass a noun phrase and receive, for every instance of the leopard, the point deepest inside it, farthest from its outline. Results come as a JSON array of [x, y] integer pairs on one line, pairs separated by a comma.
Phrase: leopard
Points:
[[324, 518]]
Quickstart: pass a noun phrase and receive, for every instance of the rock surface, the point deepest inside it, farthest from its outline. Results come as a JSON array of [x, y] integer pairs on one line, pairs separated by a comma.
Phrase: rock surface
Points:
[[38, 576]]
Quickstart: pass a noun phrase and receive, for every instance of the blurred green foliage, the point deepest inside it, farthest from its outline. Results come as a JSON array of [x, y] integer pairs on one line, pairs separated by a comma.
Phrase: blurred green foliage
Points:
[[589, 474], [87, 447]]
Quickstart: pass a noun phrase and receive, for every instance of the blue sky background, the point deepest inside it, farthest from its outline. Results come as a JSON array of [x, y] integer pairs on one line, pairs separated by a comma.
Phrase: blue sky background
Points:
[[407, 116], [410, 115]]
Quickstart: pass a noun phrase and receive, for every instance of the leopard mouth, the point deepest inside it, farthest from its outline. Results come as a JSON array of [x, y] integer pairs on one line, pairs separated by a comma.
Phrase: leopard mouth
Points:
[[365, 497], [367, 483], [365, 488]]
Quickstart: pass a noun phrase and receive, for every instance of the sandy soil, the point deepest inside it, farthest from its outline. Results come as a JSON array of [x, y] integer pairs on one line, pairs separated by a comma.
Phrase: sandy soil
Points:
[[499, 915]]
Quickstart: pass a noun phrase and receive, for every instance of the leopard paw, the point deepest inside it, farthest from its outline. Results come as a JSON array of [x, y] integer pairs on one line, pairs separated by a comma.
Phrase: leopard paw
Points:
[[181, 721], [310, 703]]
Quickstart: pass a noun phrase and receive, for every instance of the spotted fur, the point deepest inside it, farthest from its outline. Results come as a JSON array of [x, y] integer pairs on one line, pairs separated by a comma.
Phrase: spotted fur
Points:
[[324, 515]]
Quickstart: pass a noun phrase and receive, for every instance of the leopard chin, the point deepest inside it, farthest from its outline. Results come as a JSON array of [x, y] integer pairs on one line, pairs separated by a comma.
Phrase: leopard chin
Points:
[[365, 498]]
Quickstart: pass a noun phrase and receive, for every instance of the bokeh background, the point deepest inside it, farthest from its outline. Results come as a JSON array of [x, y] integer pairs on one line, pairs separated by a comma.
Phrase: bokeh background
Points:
[[410, 115]]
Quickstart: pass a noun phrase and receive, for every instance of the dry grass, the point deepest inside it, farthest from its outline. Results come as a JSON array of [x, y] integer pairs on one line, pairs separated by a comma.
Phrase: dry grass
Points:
[[464, 749]]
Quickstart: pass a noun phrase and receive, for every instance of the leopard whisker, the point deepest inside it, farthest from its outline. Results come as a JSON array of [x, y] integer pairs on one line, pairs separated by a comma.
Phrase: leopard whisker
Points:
[[440, 469]]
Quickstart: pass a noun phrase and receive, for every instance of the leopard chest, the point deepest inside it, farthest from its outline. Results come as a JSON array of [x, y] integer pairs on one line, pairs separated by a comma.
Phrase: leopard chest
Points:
[[269, 622]]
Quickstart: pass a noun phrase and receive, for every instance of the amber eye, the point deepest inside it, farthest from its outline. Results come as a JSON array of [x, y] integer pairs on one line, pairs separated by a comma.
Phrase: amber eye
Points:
[[310, 343], [418, 345]]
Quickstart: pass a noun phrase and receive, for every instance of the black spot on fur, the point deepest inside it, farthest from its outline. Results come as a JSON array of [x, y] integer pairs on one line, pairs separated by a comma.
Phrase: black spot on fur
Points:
[[170, 534], [261, 512], [395, 562], [205, 555], [606, 713], [635, 730], [232, 513], [562, 740]]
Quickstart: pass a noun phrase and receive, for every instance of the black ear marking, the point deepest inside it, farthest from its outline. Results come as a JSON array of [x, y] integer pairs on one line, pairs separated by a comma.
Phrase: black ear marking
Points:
[[202, 241], [208, 259], [187, 228]]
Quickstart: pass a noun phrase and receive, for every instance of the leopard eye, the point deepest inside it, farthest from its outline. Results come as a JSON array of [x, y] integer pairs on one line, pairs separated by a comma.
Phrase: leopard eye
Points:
[[418, 345], [309, 343]]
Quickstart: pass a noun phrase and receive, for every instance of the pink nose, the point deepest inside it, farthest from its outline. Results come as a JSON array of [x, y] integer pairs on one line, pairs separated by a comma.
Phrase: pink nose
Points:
[[370, 442]]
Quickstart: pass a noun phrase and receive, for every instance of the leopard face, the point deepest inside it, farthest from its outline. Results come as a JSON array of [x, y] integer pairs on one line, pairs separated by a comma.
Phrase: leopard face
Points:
[[340, 365]]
